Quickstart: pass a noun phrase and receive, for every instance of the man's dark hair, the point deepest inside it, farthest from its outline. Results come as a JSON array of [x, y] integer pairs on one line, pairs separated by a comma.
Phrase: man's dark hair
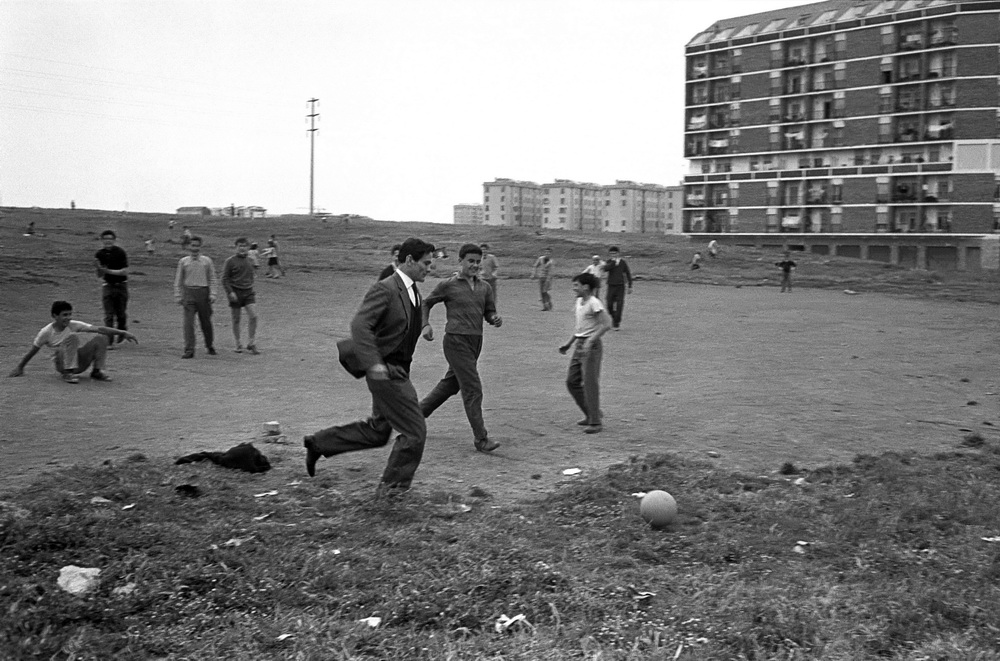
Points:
[[59, 306], [240, 240], [614, 249], [109, 233], [196, 238], [587, 280], [415, 248], [467, 248]]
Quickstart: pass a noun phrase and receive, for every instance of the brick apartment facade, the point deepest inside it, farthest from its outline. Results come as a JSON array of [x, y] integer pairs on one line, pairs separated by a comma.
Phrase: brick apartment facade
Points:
[[861, 127]]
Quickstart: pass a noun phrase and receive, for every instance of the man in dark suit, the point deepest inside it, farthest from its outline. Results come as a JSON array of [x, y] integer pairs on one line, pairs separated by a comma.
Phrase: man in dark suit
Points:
[[618, 275], [385, 331]]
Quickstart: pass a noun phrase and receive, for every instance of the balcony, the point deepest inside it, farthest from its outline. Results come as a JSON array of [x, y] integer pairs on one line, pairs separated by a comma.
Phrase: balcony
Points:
[[912, 41]]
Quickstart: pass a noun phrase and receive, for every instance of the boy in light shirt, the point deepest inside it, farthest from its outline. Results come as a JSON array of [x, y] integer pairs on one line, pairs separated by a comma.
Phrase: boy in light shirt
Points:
[[584, 376], [70, 355]]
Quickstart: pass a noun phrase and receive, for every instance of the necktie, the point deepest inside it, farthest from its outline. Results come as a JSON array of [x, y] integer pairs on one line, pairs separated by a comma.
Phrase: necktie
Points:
[[416, 296]]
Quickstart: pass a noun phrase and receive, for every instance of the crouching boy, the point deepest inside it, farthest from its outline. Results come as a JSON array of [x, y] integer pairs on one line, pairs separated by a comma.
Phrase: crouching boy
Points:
[[70, 353]]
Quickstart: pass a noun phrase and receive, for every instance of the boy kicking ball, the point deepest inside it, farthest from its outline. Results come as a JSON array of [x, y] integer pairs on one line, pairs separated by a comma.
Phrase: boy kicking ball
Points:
[[71, 355], [583, 378]]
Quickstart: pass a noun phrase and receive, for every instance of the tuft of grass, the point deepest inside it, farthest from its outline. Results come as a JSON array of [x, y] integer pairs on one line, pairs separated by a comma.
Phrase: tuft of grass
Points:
[[882, 558]]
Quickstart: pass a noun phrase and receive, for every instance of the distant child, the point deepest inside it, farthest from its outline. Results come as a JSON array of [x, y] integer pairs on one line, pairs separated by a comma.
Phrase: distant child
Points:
[[254, 255], [696, 261], [787, 266], [273, 265], [583, 378], [543, 271], [713, 248], [150, 246]]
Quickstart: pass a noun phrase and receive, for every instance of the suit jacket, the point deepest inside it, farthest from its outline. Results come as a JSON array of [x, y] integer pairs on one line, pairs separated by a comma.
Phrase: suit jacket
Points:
[[382, 321]]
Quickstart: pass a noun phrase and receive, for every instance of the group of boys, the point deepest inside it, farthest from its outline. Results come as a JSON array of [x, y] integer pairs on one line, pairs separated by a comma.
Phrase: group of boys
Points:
[[195, 288], [384, 334]]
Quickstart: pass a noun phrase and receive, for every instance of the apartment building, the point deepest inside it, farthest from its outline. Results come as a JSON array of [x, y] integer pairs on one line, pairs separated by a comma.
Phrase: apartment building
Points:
[[468, 214], [875, 119], [512, 203], [569, 205], [625, 206], [633, 207]]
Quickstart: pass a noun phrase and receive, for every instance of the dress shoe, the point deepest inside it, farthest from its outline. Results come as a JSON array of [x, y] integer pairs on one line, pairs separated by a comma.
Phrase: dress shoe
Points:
[[98, 375], [188, 354], [593, 429], [583, 423], [212, 351], [486, 445], [312, 454]]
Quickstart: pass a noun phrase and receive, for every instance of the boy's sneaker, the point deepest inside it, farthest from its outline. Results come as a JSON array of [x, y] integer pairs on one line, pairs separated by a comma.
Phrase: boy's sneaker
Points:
[[69, 377], [252, 348], [211, 351], [98, 375], [239, 348]]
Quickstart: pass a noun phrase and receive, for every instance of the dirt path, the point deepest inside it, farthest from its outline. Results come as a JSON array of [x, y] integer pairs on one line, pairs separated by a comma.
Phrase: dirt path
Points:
[[757, 377]]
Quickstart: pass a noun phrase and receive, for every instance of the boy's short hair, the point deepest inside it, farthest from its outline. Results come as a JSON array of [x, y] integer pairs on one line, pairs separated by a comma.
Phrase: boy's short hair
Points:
[[109, 233], [484, 246], [195, 238], [587, 280], [415, 248], [59, 306], [469, 248], [240, 240], [396, 247], [614, 249]]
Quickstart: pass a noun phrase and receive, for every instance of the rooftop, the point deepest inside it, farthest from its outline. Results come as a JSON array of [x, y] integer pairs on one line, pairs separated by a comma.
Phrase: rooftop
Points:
[[816, 13]]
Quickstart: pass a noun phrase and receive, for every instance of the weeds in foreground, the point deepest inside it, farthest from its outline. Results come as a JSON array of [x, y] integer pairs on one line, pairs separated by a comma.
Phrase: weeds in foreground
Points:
[[895, 556]]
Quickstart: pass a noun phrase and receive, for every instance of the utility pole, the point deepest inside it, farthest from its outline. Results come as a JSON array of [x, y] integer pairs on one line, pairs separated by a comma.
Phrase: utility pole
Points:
[[312, 148]]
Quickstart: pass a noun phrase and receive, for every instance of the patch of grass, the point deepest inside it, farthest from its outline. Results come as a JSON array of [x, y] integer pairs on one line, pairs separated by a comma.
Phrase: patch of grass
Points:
[[883, 558]]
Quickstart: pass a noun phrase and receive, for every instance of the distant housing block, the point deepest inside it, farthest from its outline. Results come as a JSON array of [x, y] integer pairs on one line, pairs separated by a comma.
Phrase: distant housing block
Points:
[[468, 214], [194, 211]]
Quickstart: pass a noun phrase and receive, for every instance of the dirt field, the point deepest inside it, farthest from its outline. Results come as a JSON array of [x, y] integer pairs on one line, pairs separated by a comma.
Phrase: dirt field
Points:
[[744, 377]]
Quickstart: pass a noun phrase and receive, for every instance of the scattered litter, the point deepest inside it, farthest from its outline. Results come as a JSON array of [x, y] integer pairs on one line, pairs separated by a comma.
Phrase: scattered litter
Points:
[[98, 500], [237, 541], [372, 621], [78, 580], [643, 595], [572, 471], [266, 493], [850, 292], [277, 438], [800, 481], [262, 516], [128, 507], [294, 483], [503, 622], [712, 453], [800, 546], [272, 428], [284, 636], [991, 539], [639, 494], [124, 590], [463, 507]]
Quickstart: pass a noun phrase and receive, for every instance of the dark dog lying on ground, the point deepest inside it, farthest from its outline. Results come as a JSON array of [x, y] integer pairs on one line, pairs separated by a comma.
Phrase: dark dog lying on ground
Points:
[[244, 457]]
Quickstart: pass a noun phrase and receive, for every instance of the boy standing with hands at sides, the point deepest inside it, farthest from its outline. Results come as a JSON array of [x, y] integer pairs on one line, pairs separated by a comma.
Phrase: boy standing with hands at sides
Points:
[[787, 266], [194, 289], [583, 378], [237, 281], [543, 271]]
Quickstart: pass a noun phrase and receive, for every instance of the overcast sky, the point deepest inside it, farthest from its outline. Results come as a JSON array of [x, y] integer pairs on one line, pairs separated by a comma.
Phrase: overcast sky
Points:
[[149, 105]]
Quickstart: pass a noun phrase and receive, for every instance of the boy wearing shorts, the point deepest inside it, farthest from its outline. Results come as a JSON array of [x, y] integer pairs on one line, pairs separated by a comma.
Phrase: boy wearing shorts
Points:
[[237, 281]]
